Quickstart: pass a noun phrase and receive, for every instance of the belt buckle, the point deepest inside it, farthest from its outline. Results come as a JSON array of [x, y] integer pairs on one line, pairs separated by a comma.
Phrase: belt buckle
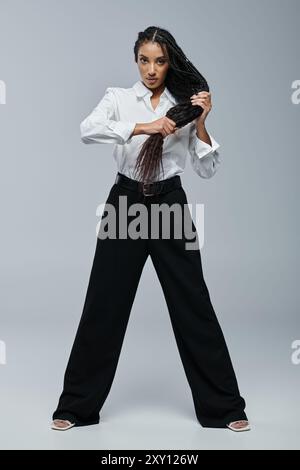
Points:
[[143, 189]]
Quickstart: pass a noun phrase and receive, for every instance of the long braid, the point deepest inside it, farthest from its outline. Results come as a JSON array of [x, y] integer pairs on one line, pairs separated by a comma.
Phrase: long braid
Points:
[[183, 80]]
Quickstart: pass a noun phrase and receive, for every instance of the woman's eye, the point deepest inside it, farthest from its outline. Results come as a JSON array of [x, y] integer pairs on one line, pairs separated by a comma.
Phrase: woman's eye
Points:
[[160, 61]]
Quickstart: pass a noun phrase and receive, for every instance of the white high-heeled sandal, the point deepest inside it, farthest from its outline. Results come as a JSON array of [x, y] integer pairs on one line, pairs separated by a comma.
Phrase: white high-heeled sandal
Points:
[[58, 428], [244, 428]]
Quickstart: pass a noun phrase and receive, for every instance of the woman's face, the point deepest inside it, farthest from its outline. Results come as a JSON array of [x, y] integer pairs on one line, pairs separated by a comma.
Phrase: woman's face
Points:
[[152, 63]]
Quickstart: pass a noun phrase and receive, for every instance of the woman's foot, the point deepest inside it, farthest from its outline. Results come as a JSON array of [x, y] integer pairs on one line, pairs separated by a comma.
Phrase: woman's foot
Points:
[[62, 424], [242, 425]]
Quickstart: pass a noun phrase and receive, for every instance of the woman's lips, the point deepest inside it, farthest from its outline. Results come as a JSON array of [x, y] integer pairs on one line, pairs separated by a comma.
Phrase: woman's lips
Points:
[[152, 80]]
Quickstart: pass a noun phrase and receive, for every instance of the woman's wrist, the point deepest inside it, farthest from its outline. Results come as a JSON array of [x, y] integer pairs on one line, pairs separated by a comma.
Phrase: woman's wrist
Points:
[[202, 133], [141, 128]]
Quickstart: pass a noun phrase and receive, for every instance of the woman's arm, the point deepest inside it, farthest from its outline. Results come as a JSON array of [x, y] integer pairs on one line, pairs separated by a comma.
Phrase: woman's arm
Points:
[[140, 128], [202, 133], [163, 125], [205, 157], [101, 125], [202, 146]]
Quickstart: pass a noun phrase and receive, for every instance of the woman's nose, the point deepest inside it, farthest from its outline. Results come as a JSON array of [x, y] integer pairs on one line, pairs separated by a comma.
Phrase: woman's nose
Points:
[[152, 69]]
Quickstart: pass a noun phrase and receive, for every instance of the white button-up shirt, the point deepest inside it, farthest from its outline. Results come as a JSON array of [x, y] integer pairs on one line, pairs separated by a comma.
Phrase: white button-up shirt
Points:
[[113, 120]]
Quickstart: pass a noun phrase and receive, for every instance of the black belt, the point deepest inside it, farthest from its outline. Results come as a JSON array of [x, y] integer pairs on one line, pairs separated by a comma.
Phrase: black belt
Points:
[[149, 189]]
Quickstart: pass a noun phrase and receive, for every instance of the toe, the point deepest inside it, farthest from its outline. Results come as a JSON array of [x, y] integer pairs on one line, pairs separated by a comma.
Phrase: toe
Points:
[[60, 423], [239, 424]]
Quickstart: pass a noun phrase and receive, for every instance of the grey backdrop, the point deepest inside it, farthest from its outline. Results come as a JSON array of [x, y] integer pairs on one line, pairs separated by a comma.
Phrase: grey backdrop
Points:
[[56, 59]]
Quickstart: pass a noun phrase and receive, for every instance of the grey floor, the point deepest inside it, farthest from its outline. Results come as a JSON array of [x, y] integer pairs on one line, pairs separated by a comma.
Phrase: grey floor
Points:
[[150, 404]]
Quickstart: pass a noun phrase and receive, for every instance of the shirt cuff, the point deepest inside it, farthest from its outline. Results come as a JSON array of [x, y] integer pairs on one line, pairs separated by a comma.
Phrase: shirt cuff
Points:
[[203, 148], [122, 129]]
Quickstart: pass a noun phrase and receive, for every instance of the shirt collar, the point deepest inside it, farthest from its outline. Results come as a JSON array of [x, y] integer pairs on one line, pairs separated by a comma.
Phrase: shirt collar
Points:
[[141, 90]]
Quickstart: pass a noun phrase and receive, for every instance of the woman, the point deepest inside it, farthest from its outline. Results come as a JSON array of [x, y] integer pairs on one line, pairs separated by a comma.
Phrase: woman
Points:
[[153, 125]]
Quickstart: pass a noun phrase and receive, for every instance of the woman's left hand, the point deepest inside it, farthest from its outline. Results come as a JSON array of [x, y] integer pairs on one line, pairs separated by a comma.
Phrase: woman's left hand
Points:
[[203, 99]]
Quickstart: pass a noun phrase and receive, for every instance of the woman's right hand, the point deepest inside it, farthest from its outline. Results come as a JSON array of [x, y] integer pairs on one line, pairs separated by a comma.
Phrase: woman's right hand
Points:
[[164, 125]]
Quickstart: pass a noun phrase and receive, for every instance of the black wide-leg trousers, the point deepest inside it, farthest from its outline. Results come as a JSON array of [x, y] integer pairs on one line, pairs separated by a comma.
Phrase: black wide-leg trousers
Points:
[[116, 270]]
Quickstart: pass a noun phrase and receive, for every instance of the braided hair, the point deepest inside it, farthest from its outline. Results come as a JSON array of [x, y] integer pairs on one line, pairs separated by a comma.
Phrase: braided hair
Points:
[[183, 80]]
